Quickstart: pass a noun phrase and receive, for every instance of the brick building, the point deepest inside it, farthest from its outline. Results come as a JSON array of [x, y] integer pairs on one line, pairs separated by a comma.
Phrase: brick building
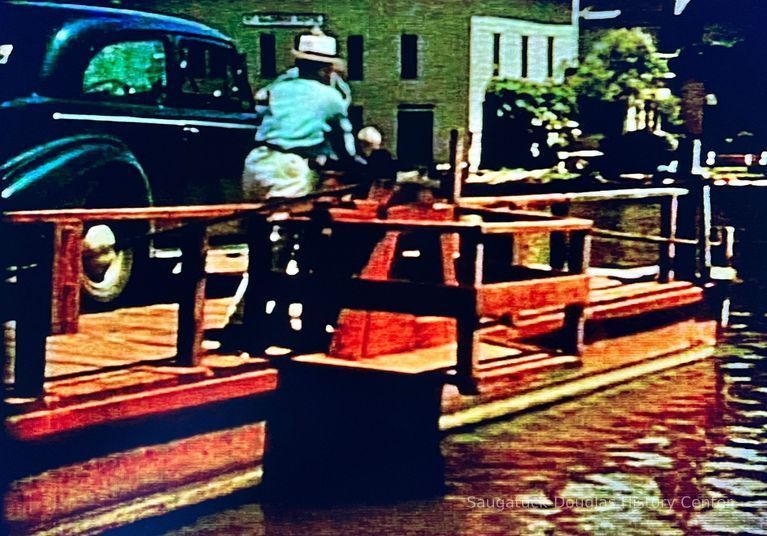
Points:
[[417, 68]]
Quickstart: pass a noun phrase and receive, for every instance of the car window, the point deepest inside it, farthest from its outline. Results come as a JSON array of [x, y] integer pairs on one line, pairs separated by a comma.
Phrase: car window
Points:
[[132, 71], [211, 77]]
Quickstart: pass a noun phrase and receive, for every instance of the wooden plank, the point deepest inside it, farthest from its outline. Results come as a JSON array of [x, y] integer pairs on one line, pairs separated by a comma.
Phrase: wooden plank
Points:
[[67, 272], [636, 237], [542, 363], [46, 423], [499, 299], [412, 362], [635, 289], [576, 197], [118, 490], [74, 215], [600, 282], [645, 304], [407, 297], [521, 227], [462, 228], [60, 393]]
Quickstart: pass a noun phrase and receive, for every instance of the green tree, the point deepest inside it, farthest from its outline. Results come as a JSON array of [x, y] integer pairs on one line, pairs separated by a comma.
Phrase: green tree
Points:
[[624, 64]]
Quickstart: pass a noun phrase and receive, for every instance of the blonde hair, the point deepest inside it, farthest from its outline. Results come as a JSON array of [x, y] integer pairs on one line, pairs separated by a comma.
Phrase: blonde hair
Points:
[[370, 135]]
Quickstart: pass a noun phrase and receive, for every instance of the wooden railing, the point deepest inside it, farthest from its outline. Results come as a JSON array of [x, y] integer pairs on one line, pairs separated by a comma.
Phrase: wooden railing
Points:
[[44, 290], [560, 204]]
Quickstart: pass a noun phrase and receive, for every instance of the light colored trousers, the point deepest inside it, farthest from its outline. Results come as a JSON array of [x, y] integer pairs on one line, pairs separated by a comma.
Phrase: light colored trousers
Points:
[[269, 173]]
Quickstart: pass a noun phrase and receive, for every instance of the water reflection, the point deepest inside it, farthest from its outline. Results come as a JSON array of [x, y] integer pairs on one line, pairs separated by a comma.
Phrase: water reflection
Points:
[[679, 453]]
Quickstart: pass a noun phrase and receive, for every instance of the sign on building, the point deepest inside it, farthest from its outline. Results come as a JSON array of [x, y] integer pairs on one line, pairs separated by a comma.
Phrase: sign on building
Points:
[[286, 20]]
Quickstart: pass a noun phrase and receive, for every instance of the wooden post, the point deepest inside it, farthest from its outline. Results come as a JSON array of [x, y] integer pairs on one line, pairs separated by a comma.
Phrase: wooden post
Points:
[[728, 244], [574, 329], [667, 251], [191, 316], [33, 317], [467, 321], [579, 252], [340, 434], [455, 169], [255, 319], [704, 236], [318, 261], [6, 299], [558, 240], [67, 273], [685, 263]]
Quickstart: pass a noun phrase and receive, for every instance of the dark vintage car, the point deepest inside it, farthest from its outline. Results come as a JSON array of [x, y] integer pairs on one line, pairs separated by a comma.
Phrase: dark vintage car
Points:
[[105, 107]]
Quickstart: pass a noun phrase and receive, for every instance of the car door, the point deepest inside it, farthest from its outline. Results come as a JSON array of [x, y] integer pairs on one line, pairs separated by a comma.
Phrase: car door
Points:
[[120, 89], [214, 97]]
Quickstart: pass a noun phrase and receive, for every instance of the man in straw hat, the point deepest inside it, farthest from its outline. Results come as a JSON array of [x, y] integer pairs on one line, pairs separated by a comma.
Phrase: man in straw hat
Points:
[[304, 111], [304, 124]]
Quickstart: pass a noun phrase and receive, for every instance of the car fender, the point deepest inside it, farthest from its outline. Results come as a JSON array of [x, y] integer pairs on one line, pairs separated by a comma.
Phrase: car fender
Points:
[[60, 174]]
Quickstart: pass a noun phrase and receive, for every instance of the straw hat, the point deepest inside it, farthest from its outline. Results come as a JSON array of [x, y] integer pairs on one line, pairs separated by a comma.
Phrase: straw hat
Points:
[[316, 46]]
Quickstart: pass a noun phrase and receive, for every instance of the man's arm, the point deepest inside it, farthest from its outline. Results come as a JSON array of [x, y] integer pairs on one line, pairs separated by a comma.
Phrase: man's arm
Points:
[[337, 81]]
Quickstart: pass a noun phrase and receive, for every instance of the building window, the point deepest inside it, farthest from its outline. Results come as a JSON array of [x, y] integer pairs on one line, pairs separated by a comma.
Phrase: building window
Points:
[[409, 56], [355, 53], [496, 54], [525, 48], [550, 57], [268, 52]]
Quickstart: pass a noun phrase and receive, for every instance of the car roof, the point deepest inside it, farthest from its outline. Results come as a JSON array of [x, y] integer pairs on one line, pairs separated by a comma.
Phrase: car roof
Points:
[[87, 17]]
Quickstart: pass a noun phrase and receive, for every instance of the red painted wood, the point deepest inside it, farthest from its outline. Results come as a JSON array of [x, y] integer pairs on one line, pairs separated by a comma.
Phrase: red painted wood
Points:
[[67, 272], [40, 424]]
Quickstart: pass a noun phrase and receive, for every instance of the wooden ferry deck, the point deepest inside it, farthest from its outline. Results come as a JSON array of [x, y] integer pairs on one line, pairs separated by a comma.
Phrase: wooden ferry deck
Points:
[[129, 352], [501, 344], [517, 333]]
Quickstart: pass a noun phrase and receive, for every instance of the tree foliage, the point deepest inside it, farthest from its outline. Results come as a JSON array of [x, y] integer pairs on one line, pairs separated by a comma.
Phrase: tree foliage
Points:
[[546, 104], [622, 63]]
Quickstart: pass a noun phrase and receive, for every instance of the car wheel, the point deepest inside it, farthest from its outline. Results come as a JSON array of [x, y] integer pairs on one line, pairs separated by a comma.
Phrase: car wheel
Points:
[[107, 268]]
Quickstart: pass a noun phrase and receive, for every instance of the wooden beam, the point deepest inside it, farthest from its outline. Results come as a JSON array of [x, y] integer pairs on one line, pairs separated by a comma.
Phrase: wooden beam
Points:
[[47, 423], [470, 273], [667, 252], [67, 275], [499, 299], [191, 316], [192, 212], [463, 228], [558, 240], [575, 197], [33, 318]]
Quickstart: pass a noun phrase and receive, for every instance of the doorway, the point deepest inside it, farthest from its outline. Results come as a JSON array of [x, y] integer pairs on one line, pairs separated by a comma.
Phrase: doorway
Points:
[[415, 136]]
